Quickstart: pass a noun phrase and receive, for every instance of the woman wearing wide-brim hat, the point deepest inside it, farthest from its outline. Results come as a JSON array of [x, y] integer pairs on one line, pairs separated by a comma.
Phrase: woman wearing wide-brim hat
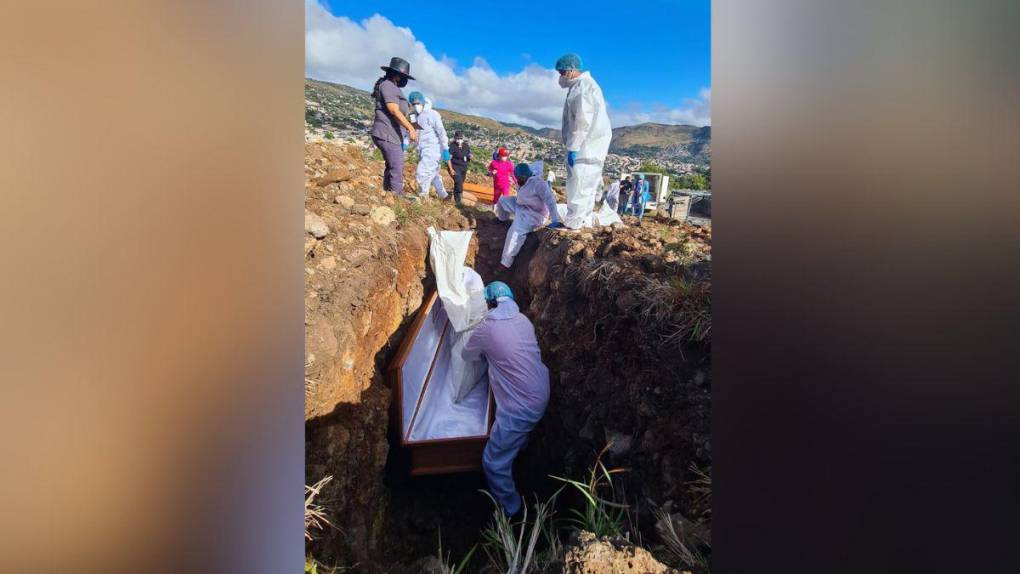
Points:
[[391, 122]]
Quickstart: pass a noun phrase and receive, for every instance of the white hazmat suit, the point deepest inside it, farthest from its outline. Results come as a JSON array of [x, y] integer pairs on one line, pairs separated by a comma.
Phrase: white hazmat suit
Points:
[[432, 140], [531, 206], [586, 130], [613, 195]]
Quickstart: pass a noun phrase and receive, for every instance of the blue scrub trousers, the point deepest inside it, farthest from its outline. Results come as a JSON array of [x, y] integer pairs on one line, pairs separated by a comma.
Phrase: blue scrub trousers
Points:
[[505, 441]]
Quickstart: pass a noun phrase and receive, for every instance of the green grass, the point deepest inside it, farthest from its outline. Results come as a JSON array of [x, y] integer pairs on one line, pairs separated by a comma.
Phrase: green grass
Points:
[[601, 514], [504, 542], [444, 561]]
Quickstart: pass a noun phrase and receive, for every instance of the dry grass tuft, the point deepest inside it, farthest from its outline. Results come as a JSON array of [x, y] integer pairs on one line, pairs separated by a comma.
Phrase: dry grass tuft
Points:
[[681, 545], [315, 514], [701, 486], [678, 309]]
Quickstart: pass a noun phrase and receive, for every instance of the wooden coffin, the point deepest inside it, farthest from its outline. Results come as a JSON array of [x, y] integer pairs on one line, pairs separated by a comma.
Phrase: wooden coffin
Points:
[[441, 437], [483, 193]]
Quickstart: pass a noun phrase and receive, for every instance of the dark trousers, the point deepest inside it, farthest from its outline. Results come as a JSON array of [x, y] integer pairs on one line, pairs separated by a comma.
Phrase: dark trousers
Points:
[[393, 175], [624, 201], [458, 182]]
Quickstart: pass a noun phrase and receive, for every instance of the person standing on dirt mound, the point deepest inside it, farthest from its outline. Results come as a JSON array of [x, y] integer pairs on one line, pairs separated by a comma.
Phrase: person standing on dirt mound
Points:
[[532, 205], [391, 123], [502, 172], [640, 197], [613, 195], [433, 145], [625, 188], [586, 135], [520, 383], [460, 157]]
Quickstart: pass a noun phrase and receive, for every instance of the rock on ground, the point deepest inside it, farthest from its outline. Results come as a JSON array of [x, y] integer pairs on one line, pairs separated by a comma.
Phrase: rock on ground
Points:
[[315, 225], [345, 201], [382, 215]]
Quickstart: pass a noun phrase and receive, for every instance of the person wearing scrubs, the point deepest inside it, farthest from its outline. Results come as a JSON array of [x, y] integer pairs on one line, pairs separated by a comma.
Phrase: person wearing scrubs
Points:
[[586, 135], [520, 383], [502, 172], [640, 197]]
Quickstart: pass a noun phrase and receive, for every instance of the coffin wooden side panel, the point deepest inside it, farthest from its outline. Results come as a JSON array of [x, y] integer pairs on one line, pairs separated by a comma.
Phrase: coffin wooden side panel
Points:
[[431, 456]]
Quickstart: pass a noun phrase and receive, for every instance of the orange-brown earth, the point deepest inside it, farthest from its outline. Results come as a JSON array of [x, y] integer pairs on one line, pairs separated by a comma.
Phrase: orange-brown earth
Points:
[[622, 314]]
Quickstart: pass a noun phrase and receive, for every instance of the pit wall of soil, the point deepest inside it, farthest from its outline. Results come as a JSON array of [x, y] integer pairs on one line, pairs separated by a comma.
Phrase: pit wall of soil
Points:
[[617, 375], [365, 277]]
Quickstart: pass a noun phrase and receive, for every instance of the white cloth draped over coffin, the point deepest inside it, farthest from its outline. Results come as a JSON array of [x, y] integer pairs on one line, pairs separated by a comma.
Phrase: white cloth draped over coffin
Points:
[[443, 395]]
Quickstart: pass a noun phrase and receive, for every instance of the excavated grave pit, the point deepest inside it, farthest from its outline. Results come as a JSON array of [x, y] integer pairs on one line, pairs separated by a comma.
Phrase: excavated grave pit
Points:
[[612, 379]]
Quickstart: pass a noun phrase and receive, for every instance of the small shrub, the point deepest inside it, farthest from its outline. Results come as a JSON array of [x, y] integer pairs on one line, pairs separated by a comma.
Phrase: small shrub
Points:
[[401, 213], [329, 135], [601, 516]]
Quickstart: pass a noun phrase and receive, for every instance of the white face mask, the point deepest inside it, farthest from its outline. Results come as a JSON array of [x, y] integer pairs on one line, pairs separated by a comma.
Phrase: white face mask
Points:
[[565, 82], [418, 108]]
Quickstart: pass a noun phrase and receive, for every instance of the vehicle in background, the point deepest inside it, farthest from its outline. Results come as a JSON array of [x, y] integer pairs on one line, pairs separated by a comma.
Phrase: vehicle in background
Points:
[[658, 186]]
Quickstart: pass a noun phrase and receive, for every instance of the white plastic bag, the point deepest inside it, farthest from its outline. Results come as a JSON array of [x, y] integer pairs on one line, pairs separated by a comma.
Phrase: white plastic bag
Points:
[[606, 215], [447, 251]]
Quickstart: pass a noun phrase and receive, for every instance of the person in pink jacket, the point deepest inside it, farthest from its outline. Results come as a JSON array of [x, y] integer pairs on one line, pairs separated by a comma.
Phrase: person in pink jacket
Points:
[[502, 172]]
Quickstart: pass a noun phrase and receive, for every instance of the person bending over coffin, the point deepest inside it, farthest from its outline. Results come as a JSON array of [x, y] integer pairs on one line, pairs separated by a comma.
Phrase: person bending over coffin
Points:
[[520, 383]]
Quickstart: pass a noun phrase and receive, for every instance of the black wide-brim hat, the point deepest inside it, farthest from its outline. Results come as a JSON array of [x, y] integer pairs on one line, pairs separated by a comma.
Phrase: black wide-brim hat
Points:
[[400, 66]]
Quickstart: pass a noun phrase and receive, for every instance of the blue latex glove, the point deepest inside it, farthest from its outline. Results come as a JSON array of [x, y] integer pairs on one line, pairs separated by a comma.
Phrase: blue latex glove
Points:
[[446, 155], [555, 225], [571, 158], [403, 146]]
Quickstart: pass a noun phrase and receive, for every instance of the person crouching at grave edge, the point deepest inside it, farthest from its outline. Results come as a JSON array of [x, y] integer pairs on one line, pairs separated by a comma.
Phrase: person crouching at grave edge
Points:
[[532, 205]]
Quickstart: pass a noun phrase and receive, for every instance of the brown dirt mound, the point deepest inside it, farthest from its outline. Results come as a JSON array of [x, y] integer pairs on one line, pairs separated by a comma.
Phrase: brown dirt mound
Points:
[[594, 555]]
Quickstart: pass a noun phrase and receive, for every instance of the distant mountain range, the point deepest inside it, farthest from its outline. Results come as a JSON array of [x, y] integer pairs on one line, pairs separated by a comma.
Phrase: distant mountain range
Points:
[[676, 148], [649, 140]]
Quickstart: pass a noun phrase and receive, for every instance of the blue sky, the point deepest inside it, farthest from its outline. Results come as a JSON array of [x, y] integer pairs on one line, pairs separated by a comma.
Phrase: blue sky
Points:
[[651, 57]]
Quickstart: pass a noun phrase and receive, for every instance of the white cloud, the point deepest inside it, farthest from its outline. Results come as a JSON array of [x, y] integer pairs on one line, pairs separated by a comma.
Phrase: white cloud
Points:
[[696, 112], [337, 49]]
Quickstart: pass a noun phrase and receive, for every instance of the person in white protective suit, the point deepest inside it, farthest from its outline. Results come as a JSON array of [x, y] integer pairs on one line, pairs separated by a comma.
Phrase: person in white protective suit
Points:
[[613, 195], [433, 145], [586, 135], [531, 206]]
